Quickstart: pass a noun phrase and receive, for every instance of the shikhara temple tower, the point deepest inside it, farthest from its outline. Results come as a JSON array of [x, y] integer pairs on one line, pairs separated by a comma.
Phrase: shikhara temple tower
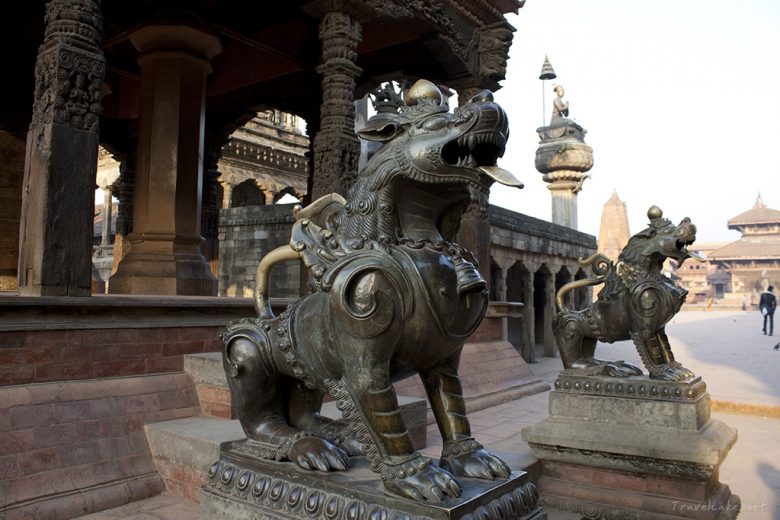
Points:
[[613, 231]]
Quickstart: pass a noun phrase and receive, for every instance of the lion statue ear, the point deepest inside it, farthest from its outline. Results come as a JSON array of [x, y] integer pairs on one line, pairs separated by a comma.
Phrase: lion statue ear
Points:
[[381, 130]]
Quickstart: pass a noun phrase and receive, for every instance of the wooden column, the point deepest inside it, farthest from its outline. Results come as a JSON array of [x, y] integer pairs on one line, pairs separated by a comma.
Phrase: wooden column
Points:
[[336, 146], [165, 255], [55, 243]]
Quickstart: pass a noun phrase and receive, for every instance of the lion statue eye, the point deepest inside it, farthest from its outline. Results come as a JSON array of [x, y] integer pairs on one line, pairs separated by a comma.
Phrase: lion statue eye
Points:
[[435, 123]]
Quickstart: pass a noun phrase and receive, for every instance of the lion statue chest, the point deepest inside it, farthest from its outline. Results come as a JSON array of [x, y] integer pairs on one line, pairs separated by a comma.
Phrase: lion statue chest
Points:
[[427, 298]]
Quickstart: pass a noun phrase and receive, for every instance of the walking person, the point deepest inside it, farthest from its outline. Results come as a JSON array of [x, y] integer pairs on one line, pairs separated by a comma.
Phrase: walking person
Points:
[[767, 305]]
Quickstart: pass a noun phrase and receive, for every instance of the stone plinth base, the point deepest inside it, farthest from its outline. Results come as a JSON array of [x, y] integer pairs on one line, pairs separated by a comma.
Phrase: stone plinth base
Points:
[[633, 448], [239, 488]]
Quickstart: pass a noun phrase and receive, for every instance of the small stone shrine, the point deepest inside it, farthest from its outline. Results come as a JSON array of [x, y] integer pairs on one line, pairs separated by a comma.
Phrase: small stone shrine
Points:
[[621, 443]]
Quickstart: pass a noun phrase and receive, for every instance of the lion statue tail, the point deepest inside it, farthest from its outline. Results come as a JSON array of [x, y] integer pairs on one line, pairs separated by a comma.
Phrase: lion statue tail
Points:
[[600, 265]]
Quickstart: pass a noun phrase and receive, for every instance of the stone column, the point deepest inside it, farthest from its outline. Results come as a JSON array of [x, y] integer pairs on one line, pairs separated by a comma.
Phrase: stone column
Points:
[[528, 314], [105, 229], [563, 158], [55, 243], [550, 349], [500, 284], [336, 146], [227, 194], [165, 255]]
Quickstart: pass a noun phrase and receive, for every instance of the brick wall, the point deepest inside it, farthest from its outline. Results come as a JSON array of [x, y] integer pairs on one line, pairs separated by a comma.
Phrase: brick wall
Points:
[[44, 339], [12, 151], [245, 235], [72, 448], [62, 355]]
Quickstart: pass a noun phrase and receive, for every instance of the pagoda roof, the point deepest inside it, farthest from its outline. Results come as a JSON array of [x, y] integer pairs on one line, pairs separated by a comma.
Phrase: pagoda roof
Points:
[[758, 214], [749, 247]]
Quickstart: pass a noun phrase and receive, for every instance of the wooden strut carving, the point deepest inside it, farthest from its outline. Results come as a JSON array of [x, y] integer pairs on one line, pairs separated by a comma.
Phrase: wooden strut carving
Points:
[[392, 295]]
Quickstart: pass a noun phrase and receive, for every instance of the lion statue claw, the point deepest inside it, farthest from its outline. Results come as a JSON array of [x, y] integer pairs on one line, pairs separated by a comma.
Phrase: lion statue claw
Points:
[[636, 303], [391, 295]]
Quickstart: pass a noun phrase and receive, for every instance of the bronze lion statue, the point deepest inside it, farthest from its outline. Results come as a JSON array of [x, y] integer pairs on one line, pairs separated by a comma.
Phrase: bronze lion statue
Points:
[[636, 303], [392, 295]]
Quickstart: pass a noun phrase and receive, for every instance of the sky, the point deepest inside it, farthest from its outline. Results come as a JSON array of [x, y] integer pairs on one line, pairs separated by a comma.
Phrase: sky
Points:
[[681, 101]]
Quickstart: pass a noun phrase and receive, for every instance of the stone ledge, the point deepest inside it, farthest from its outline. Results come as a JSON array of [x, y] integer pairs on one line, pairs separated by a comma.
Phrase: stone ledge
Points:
[[33, 313]]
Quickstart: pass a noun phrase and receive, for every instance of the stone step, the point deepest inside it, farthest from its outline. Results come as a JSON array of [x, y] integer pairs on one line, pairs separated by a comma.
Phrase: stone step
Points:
[[211, 385], [184, 449]]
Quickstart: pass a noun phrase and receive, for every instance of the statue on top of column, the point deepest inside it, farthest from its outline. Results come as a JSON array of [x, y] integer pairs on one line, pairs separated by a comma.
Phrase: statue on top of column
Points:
[[560, 107]]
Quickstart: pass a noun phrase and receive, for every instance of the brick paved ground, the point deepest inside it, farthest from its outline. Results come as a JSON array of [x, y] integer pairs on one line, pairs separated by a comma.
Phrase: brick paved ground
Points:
[[726, 348]]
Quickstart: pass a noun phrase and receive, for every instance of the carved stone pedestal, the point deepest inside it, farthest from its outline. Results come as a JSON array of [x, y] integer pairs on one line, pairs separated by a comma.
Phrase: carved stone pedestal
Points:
[[633, 448], [241, 487]]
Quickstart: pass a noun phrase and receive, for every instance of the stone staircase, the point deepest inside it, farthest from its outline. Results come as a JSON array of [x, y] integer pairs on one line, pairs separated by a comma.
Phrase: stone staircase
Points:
[[184, 449]]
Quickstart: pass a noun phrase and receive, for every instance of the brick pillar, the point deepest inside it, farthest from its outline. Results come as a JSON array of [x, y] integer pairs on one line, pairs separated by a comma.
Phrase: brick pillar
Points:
[[55, 248], [165, 255], [336, 146]]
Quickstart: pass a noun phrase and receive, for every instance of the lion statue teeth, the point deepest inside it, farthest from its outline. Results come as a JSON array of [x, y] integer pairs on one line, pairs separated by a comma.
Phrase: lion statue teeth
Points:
[[392, 295], [636, 303]]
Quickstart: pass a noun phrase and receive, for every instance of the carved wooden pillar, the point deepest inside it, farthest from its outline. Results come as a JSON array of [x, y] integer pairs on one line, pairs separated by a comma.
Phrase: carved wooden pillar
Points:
[[55, 246], [165, 255], [336, 146]]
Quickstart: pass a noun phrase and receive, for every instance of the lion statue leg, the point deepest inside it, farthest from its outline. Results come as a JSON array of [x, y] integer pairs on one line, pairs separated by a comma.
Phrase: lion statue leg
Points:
[[461, 454], [653, 347], [259, 381], [681, 372], [303, 410], [577, 346], [368, 400]]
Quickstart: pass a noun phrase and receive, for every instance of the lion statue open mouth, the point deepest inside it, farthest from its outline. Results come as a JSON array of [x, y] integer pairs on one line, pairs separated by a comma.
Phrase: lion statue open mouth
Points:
[[392, 295], [636, 303]]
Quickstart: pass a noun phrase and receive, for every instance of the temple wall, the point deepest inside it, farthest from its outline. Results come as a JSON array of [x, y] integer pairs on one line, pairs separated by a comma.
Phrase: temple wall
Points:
[[245, 235]]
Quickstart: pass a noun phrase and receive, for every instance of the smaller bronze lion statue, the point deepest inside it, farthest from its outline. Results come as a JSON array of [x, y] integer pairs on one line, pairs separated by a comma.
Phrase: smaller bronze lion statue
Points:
[[636, 303]]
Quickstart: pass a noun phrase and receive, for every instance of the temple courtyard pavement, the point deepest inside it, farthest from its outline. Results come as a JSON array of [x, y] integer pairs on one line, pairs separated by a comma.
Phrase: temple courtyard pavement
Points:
[[727, 348]]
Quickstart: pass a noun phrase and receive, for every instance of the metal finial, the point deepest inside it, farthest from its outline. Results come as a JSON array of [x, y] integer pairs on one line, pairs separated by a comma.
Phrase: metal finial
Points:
[[547, 70]]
